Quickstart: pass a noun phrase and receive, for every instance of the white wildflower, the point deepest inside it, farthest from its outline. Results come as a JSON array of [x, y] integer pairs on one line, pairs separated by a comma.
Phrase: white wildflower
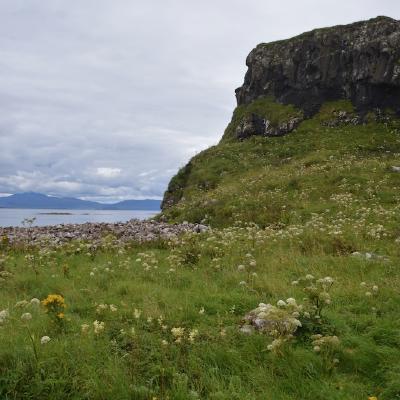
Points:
[[291, 301], [281, 303], [44, 340], [21, 304], [26, 317], [98, 327], [35, 302]]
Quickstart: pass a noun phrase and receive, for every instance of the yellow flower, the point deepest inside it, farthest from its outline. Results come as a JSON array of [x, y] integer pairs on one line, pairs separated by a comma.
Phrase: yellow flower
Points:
[[60, 315], [372, 398], [54, 299]]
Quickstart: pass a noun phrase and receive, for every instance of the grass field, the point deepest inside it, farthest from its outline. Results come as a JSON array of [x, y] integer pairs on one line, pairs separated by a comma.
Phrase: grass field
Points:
[[166, 320]]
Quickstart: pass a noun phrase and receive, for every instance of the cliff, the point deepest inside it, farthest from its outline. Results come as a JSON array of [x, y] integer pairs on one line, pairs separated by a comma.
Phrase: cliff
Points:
[[359, 62], [335, 90]]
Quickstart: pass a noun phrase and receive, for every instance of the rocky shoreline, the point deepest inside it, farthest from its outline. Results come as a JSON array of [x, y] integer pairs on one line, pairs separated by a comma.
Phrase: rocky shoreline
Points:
[[133, 230]]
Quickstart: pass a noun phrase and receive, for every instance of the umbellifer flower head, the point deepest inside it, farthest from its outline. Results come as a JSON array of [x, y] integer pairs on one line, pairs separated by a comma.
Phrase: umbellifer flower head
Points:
[[26, 317], [44, 340]]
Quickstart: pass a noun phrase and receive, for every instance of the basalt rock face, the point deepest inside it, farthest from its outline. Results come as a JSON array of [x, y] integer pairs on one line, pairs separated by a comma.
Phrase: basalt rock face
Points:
[[359, 62]]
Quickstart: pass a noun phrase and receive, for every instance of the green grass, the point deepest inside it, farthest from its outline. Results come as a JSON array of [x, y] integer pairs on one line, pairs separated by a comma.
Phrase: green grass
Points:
[[138, 366], [296, 205], [252, 180]]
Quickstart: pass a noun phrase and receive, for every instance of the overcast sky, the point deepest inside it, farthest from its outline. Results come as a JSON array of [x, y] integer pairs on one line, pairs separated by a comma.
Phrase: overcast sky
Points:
[[106, 99]]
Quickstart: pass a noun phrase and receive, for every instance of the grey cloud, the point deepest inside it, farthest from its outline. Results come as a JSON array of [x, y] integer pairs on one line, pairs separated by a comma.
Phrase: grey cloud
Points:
[[137, 87]]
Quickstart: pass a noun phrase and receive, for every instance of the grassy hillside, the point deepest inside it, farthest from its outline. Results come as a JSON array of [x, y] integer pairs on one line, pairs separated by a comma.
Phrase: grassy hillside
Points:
[[308, 223], [286, 179]]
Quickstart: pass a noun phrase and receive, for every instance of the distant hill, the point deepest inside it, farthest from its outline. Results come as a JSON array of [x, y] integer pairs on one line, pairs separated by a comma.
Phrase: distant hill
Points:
[[42, 201]]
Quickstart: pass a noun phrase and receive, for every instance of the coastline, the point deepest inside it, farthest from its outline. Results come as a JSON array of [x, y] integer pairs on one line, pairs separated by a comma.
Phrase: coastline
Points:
[[134, 230]]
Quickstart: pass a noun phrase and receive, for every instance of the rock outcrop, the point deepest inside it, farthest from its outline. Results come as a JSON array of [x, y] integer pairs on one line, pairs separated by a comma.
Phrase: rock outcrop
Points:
[[256, 125], [359, 62]]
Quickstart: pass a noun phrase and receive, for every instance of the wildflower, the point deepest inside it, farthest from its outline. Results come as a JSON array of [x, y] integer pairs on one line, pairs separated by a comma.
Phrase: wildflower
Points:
[[3, 316], [363, 284], [98, 327], [101, 307], [178, 333], [35, 302], [137, 313], [252, 263], [54, 299], [164, 342], [375, 289], [242, 283], [149, 320], [281, 303], [44, 340], [309, 277], [294, 283], [113, 308], [54, 304], [291, 301], [317, 349], [26, 317], [276, 343], [91, 273], [368, 294], [202, 310], [85, 328], [21, 304], [192, 335], [241, 267]]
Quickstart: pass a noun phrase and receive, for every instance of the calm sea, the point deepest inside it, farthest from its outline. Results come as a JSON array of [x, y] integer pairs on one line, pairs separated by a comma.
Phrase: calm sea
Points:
[[14, 217]]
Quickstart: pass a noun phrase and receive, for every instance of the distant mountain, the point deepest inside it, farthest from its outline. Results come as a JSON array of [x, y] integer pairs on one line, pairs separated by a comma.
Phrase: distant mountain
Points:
[[134, 205], [42, 201]]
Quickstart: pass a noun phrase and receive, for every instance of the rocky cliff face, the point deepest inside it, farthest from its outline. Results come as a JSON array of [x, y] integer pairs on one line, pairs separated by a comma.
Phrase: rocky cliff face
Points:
[[359, 62], [288, 81]]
